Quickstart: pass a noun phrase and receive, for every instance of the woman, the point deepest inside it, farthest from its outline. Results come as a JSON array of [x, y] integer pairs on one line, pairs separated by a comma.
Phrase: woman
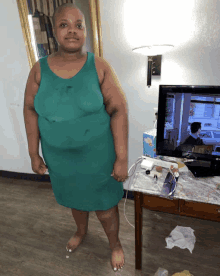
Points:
[[81, 112]]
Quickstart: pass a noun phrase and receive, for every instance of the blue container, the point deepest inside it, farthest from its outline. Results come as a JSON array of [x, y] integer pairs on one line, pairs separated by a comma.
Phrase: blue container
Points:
[[149, 143]]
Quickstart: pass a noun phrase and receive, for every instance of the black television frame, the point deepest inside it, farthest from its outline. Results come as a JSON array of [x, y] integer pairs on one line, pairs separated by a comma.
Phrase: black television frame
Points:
[[195, 89]]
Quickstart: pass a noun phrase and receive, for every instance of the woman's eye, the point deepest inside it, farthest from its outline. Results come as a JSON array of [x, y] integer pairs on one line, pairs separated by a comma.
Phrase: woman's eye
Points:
[[81, 26]]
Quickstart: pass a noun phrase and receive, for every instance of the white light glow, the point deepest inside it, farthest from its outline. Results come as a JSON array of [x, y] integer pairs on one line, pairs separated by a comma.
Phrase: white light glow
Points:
[[153, 50], [148, 22]]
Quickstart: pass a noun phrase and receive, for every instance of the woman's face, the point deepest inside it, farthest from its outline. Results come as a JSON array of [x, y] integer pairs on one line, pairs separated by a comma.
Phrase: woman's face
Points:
[[70, 24]]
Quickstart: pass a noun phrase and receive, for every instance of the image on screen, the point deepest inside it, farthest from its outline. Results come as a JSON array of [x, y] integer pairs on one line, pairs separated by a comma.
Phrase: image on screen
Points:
[[192, 124]]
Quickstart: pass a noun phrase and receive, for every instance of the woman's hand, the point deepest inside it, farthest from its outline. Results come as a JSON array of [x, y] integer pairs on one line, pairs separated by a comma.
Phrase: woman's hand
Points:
[[38, 165], [120, 170]]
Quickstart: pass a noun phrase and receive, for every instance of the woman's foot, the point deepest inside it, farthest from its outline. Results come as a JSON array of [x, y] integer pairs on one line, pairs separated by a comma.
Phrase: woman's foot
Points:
[[74, 242], [117, 259]]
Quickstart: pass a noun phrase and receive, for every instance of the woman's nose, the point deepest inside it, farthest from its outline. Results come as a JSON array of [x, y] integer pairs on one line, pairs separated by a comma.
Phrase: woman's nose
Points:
[[72, 28]]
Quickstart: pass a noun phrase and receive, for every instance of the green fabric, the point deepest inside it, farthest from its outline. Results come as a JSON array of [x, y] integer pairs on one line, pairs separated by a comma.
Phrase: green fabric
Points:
[[76, 139]]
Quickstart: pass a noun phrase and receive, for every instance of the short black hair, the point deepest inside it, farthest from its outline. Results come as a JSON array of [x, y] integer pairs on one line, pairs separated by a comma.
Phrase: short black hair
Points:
[[195, 127], [61, 8]]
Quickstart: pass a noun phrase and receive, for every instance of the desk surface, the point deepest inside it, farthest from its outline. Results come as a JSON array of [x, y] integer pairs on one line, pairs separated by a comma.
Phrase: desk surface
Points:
[[200, 189]]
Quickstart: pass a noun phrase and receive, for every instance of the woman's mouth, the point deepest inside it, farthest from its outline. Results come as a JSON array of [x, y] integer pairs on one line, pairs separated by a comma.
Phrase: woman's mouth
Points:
[[72, 39]]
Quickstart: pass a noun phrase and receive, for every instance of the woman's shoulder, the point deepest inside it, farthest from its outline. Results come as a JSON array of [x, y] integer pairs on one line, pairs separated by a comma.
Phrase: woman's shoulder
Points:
[[38, 77], [100, 67], [102, 62], [37, 66], [99, 61]]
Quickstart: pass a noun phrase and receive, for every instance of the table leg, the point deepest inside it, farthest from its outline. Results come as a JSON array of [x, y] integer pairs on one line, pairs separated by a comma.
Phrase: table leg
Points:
[[138, 230]]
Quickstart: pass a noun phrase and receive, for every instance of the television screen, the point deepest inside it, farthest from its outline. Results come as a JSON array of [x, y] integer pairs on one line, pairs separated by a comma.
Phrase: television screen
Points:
[[189, 122]]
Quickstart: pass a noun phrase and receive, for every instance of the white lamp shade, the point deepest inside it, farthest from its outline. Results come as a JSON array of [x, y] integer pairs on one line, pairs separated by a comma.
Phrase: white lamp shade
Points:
[[153, 50]]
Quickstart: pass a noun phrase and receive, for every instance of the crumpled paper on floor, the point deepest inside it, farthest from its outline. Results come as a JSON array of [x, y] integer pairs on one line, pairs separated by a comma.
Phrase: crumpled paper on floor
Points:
[[161, 272], [182, 237], [183, 273]]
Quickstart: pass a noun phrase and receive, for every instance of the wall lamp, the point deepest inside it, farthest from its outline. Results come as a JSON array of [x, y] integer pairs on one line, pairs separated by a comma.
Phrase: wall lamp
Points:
[[154, 58]]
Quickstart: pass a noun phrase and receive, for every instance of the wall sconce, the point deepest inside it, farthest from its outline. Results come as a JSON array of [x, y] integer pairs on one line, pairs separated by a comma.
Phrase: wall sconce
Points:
[[154, 60]]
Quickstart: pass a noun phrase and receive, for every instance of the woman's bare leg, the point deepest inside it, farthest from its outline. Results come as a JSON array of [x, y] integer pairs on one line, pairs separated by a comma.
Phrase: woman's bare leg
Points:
[[110, 222], [81, 218]]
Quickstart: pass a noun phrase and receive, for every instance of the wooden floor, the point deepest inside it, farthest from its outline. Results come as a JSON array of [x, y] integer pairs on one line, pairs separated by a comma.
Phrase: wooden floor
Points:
[[34, 231]]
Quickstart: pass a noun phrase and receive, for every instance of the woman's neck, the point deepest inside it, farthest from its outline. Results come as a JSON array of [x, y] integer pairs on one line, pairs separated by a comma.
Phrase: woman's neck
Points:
[[70, 56]]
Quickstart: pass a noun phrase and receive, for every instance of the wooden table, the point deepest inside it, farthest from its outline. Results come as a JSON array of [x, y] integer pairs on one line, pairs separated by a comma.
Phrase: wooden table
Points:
[[177, 205]]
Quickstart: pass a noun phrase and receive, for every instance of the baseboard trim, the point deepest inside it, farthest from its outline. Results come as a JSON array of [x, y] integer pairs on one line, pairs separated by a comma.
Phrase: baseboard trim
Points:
[[44, 178]]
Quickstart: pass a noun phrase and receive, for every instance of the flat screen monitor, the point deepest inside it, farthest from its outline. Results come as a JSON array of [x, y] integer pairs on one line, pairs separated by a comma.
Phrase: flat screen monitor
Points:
[[188, 124]]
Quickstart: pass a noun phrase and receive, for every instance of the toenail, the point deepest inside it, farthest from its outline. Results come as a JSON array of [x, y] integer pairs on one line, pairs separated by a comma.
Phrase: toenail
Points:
[[115, 269], [70, 250], [119, 269]]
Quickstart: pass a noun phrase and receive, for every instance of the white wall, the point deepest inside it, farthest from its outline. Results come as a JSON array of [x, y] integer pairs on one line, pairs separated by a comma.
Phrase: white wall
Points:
[[191, 25], [15, 69]]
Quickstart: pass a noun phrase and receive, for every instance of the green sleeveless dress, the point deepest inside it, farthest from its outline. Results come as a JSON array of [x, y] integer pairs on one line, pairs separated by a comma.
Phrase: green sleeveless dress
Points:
[[76, 139]]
